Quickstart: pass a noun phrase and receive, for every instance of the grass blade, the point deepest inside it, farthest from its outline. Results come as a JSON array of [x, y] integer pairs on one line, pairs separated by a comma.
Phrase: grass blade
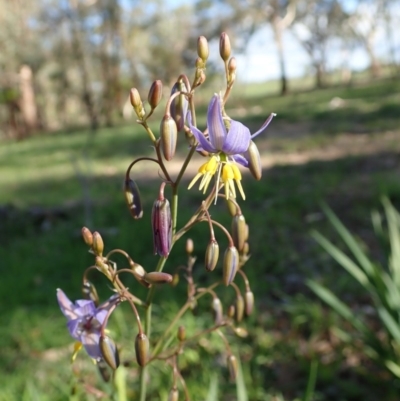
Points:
[[212, 394], [312, 379]]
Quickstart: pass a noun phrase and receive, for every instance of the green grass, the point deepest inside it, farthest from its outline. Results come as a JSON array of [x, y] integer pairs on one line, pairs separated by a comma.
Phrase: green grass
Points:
[[290, 328]]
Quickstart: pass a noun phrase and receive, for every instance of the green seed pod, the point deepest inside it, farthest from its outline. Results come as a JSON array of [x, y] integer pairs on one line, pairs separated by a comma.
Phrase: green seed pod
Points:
[[179, 105], [173, 394], [132, 197], [218, 313], [202, 48], [230, 265], [155, 94], [239, 231], [109, 351], [249, 302], [162, 227], [231, 207], [98, 244], [232, 367], [169, 136], [212, 255], [239, 308], [87, 236], [181, 333], [224, 46], [189, 246], [231, 311], [142, 349], [89, 292], [157, 278], [253, 156]]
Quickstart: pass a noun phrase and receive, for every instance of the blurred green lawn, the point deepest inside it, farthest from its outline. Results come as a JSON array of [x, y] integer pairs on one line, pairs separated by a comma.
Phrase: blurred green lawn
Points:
[[346, 155]]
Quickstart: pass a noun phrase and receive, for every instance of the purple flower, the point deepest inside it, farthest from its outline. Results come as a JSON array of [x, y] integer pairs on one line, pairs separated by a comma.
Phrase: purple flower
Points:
[[85, 321], [226, 147]]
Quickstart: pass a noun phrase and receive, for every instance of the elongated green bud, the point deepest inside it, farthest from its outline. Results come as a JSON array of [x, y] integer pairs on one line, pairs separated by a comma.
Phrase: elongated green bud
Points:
[[232, 367], [157, 278], [181, 333], [231, 311], [136, 102], [155, 94], [109, 351], [239, 308], [173, 394], [241, 332], [218, 313], [249, 302], [232, 208], [239, 231], [246, 248], [162, 226], [179, 105], [98, 244], [89, 292], [189, 246], [212, 255], [230, 265], [253, 156], [224, 46], [142, 349], [87, 236], [169, 136], [139, 273], [132, 197], [202, 48]]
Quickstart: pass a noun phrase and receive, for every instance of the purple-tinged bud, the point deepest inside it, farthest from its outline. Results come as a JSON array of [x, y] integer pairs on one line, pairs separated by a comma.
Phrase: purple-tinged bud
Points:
[[169, 136], [231, 311], [218, 313], [179, 105], [239, 308], [157, 278], [202, 48], [212, 255], [230, 265], [132, 197], [98, 244], [162, 226], [89, 292], [253, 156], [109, 352], [155, 94], [87, 236], [173, 394], [181, 333], [189, 246], [249, 302], [224, 46], [239, 231], [232, 367], [142, 349]]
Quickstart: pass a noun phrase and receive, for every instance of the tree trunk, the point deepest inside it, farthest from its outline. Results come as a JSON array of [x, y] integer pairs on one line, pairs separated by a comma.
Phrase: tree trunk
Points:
[[28, 99], [277, 28]]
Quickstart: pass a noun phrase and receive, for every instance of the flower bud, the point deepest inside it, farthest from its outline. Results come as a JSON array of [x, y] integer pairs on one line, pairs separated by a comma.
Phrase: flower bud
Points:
[[202, 48], [179, 105], [212, 254], [253, 156], [103, 267], [239, 308], [98, 244], [199, 64], [232, 208], [87, 236], [157, 278], [89, 292], [173, 394], [109, 351], [232, 367], [175, 280], [162, 227], [142, 349], [241, 332], [169, 136], [137, 103], [218, 313], [224, 46], [230, 265], [132, 197], [139, 273], [181, 333], [231, 311], [246, 249], [189, 246], [155, 94], [239, 231], [232, 65], [249, 302]]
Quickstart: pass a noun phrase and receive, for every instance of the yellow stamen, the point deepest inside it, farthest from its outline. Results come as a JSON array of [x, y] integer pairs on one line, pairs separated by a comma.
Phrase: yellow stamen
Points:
[[238, 177], [77, 348]]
